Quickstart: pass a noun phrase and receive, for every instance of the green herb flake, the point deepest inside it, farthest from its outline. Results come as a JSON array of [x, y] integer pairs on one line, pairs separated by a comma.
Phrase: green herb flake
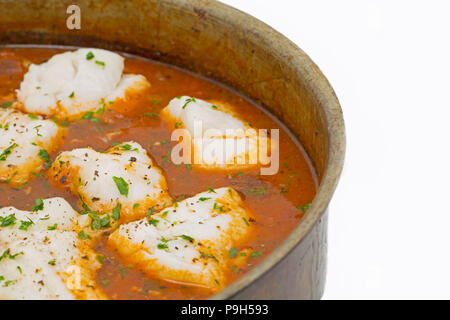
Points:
[[256, 254], [39, 205], [154, 222], [304, 207], [53, 227], [83, 235], [8, 221], [100, 63], [7, 152], [187, 238], [24, 225], [178, 124], [89, 55], [6, 105], [33, 116], [121, 185], [211, 190], [187, 101], [205, 255], [72, 95], [5, 254], [233, 252], [52, 262], [101, 258], [116, 211], [258, 191], [43, 154], [162, 246]]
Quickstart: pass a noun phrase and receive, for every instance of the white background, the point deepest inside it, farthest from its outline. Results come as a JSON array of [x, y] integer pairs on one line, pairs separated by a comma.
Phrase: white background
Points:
[[389, 63]]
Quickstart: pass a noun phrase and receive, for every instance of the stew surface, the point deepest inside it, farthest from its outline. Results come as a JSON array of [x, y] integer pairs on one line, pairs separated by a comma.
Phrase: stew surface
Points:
[[278, 202]]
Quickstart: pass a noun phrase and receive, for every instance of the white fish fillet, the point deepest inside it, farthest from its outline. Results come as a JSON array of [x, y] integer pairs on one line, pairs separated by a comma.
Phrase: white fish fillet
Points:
[[224, 140], [189, 241], [46, 259], [25, 141], [76, 82], [98, 179]]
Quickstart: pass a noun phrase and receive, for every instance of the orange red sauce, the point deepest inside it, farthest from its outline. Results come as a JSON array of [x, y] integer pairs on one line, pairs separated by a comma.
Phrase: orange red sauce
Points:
[[275, 209]]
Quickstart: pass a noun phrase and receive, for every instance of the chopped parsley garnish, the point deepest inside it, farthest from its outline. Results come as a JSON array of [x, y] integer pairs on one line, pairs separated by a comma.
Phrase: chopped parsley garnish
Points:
[[83, 235], [162, 246], [203, 199], [90, 116], [33, 116], [39, 205], [99, 222], [205, 255], [60, 123], [101, 63], [116, 211], [127, 147], [135, 205], [43, 154], [6, 105], [13, 256], [211, 190], [89, 55], [153, 221], [258, 190], [7, 152], [72, 95], [24, 225], [256, 254], [246, 221], [187, 101], [5, 254], [304, 207], [187, 238], [151, 114], [178, 124], [37, 130], [101, 258], [105, 282], [52, 262], [188, 166], [8, 220], [121, 185], [53, 227], [233, 252]]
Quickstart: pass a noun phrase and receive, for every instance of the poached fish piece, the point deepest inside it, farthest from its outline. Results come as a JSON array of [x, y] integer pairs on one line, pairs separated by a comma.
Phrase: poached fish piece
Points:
[[43, 257], [26, 143], [219, 138], [76, 82], [189, 241], [123, 179]]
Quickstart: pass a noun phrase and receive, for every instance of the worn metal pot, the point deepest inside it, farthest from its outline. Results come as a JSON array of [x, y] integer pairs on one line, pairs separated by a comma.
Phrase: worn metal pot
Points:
[[230, 46]]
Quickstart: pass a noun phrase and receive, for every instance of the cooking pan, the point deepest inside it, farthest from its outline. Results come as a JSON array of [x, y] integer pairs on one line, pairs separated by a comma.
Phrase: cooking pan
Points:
[[220, 42]]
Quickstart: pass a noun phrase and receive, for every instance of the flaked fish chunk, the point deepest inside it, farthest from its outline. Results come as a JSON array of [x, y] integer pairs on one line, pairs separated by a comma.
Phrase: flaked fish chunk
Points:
[[123, 178], [26, 144], [76, 82], [219, 138], [42, 255], [189, 241]]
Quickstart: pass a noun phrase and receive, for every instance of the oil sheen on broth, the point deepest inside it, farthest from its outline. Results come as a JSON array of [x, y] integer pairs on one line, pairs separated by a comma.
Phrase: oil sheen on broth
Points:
[[277, 201]]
